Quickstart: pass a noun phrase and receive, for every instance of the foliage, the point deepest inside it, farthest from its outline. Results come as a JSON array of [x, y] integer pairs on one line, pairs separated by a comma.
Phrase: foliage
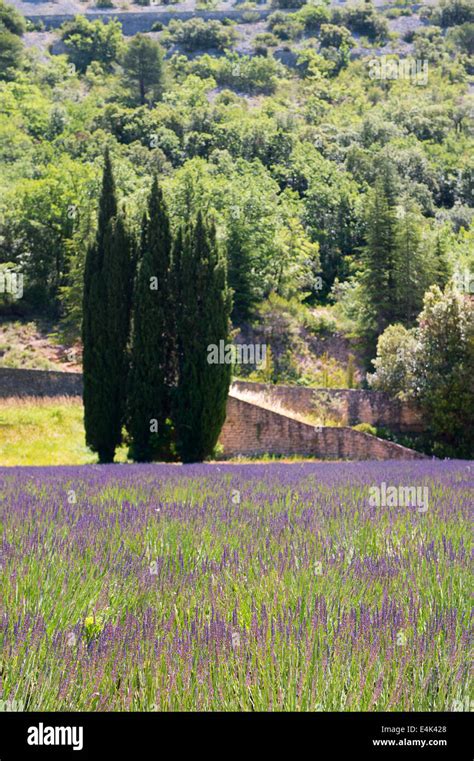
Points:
[[443, 367], [153, 371], [10, 20], [104, 332], [362, 19], [455, 12], [143, 66], [203, 305], [11, 54], [398, 269], [256, 74], [288, 3], [198, 34], [366, 428], [334, 36], [433, 364], [88, 41], [284, 150], [392, 368]]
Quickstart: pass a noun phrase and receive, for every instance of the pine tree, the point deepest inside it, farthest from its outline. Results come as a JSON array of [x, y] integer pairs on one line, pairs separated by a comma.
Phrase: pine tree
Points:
[[381, 253], [240, 275], [203, 312], [143, 67], [441, 268], [101, 437], [152, 374], [412, 279]]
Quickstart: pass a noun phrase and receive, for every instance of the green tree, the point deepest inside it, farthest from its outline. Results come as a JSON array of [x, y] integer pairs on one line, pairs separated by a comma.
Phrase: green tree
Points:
[[203, 311], [105, 328], [241, 266], [199, 34], [152, 374], [332, 36], [444, 368], [49, 217], [11, 20], [441, 268], [88, 41], [12, 26], [412, 267], [392, 364], [380, 254], [143, 66], [118, 277], [433, 364]]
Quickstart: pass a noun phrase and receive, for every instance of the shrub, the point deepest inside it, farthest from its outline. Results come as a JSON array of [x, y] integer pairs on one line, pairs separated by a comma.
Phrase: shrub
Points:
[[312, 16], [334, 36], [250, 74], [454, 12], [363, 20], [266, 38], [198, 34], [365, 428], [288, 3], [286, 26], [88, 41], [11, 21]]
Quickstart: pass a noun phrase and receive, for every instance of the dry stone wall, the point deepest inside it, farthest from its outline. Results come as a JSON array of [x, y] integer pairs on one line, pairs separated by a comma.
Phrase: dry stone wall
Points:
[[348, 406], [252, 430]]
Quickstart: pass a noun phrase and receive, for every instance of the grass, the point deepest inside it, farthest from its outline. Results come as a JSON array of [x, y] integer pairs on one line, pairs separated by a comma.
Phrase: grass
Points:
[[35, 431], [265, 400], [44, 432]]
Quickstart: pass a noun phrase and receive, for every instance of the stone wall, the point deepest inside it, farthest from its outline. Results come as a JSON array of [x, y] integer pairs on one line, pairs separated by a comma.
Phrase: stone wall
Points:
[[249, 429], [349, 406], [132, 22], [252, 430], [38, 383]]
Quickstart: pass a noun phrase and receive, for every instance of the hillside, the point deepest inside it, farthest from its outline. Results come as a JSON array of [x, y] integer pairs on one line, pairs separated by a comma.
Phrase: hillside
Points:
[[327, 146]]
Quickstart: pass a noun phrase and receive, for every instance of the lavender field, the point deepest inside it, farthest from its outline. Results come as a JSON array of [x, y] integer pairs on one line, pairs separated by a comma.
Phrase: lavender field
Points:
[[234, 587]]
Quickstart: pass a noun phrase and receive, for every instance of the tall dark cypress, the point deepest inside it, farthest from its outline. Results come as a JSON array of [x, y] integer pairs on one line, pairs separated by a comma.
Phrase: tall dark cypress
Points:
[[94, 334], [203, 315], [152, 373], [105, 328], [118, 275]]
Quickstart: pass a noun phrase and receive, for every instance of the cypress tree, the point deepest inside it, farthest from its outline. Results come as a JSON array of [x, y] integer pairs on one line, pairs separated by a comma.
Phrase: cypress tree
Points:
[[100, 437], [118, 271], [152, 374], [203, 312]]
